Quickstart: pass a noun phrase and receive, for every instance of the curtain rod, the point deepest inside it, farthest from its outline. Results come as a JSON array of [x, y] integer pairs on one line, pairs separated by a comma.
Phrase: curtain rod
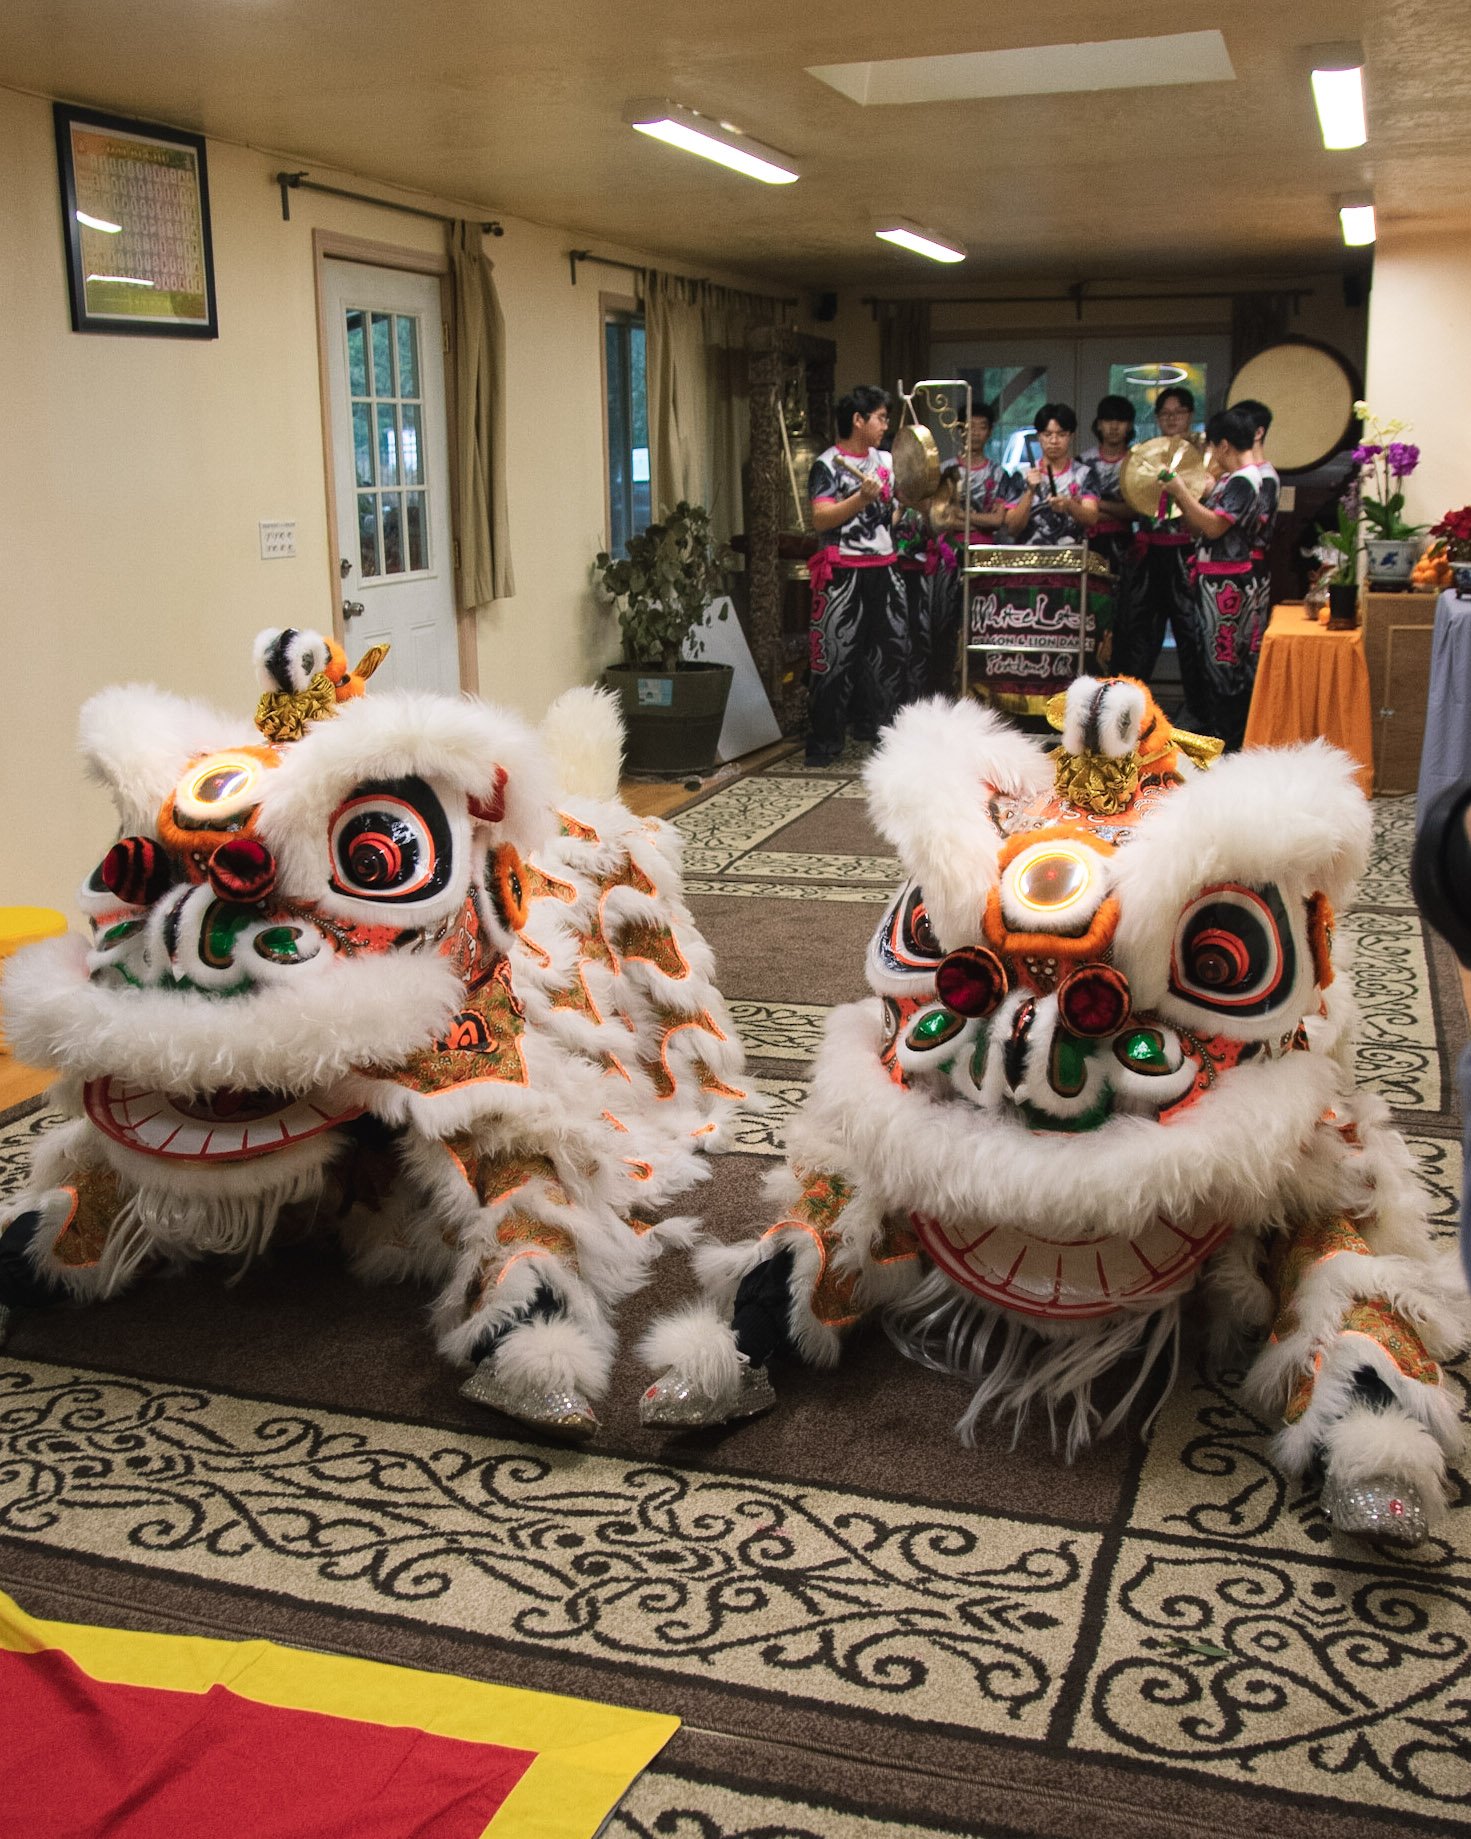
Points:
[[1078, 298], [299, 182], [574, 256]]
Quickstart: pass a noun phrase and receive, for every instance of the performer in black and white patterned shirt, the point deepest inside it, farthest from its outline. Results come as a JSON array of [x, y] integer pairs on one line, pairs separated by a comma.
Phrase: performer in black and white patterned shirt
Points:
[[860, 628], [1058, 503], [1269, 492]]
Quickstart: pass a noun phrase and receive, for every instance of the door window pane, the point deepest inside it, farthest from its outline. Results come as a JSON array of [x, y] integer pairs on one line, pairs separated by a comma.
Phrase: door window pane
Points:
[[408, 355], [362, 443], [387, 445], [368, 533], [385, 381], [357, 355], [418, 535], [393, 549], [382, 354], [409, 445]]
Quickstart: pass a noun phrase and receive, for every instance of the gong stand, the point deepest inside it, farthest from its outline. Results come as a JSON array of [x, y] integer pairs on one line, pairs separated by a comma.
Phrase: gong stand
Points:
[[946, 411]]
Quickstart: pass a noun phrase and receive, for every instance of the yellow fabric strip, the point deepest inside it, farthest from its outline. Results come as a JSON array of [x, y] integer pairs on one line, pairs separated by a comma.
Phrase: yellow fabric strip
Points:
[[587, 1755]]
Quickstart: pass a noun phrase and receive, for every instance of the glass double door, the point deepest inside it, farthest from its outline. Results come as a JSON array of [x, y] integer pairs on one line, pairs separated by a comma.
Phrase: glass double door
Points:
[[1020, 375]]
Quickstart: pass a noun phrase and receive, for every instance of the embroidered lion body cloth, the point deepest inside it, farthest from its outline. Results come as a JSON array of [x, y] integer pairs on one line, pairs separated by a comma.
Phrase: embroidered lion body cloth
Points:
[[1105, 1063], [393, 976]]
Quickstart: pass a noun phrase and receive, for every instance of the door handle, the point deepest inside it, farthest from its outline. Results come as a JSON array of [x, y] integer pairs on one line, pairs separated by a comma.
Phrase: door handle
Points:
[[351, 609]]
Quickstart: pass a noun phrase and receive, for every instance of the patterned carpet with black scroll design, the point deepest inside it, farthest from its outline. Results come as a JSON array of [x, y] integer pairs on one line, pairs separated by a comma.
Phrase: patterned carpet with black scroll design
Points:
[[868, 1631]]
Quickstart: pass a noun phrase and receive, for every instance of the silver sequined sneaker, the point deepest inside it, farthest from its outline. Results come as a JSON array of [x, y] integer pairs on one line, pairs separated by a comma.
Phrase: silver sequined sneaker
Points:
[[560, 1413], [676, 1402], [1385, 1510]]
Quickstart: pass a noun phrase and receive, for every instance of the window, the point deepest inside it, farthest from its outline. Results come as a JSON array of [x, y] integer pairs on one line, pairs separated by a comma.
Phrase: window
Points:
[[1141, 383], [1018, 391], [629, 507], [387, 426]]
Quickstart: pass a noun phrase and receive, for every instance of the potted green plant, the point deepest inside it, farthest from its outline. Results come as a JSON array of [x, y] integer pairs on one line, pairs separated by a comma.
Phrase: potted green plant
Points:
[[673, 701], [1384, 461], [1339, 548]]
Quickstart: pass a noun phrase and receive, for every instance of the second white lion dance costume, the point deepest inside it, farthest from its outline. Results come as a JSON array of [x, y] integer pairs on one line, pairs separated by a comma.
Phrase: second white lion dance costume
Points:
[[1106, 1061]]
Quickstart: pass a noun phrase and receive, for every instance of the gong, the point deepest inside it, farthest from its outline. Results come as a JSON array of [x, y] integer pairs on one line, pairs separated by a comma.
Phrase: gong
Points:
[[1139, 484], [916, 464], [1310, 390]]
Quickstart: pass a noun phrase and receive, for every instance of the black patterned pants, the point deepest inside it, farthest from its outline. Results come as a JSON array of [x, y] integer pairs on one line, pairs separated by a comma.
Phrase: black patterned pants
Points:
[[1217, 663], [934, 631], [860, 657], [1156, 592]]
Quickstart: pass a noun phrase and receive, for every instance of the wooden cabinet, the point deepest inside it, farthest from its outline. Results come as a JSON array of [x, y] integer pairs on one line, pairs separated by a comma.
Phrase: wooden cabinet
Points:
[[1397, 633]]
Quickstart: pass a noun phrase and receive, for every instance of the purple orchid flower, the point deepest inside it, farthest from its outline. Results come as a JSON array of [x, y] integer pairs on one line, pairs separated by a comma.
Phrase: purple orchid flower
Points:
[[1352, 499], [1403, 457], [1363, 455]]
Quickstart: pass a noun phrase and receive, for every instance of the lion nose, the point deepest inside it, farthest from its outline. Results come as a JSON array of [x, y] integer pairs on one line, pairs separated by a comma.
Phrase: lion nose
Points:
[[1014, 1053]]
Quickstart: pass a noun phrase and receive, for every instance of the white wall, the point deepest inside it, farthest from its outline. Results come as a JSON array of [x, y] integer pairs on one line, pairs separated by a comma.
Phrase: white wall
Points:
[[137, 469], [1419, 367]]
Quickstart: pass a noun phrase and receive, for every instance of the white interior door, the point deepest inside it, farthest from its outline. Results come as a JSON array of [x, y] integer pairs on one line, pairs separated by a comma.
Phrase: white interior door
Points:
[[390, 466]]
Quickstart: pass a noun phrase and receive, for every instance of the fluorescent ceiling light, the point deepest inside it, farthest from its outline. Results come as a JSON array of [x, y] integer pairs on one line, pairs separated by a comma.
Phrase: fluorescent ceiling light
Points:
[[99, 223], [1338, 91], [1035, 70], [1356, 215], [922, 242], [712, 140]]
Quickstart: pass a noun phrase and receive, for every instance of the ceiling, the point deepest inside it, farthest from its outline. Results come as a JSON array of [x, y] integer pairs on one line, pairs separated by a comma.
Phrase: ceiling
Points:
[[516, 107]]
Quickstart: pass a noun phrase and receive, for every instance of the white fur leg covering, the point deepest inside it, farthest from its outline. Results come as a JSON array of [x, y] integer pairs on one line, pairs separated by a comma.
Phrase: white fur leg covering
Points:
[[563, 1355], [1368, 1444], [510, 1305], [700, 1344]]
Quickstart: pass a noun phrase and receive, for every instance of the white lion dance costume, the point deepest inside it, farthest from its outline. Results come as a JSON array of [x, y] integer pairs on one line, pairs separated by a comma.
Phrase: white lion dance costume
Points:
[[1105, 1062], [376, 972]]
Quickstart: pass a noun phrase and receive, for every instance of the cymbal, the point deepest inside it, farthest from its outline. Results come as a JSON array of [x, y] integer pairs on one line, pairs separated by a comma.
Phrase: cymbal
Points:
[[916, 464], [1139, 484]]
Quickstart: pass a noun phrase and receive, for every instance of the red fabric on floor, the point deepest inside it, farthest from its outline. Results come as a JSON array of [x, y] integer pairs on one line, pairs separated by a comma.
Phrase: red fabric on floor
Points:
[[82, 1759]]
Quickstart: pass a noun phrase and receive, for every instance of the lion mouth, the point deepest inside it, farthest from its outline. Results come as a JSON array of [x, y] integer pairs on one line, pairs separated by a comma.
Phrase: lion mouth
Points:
[[224, 1126], [1070, 1279]]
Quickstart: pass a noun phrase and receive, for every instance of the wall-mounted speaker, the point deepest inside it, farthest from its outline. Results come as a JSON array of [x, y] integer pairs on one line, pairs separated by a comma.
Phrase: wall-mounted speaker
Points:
[[824, 306]]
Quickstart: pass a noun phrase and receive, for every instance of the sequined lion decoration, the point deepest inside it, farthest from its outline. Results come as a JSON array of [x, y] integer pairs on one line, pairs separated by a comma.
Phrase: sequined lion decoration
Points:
[[375, 967], [1105, 1065]]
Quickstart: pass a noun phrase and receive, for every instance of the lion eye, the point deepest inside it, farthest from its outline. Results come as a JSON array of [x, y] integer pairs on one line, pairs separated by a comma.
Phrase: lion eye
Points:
[[391, 842], [1234, 951]]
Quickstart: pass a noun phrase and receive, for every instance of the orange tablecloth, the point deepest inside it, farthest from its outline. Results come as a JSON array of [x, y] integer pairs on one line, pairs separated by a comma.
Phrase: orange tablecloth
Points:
[[1310, 682]]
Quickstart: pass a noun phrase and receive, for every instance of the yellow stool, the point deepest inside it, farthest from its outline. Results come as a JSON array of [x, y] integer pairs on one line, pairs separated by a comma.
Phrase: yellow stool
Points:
[[24, 926]]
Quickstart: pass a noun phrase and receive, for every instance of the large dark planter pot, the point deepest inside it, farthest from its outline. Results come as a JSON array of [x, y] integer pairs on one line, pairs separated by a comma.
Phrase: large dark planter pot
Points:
[[673, 717], [1343, 605]]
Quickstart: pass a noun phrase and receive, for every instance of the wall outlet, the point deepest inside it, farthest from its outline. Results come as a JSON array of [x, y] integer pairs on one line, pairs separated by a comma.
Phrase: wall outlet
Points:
[[277, 540]]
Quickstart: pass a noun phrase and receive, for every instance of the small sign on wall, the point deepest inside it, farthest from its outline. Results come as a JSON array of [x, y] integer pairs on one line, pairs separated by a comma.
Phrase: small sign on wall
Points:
[[135, 197]]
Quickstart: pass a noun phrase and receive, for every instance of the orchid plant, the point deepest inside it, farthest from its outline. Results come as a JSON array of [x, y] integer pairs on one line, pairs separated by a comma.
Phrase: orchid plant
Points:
[[1383, 461]]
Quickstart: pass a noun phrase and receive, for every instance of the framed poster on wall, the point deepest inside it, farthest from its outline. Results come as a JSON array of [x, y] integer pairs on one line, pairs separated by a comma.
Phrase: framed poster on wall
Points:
[[135, 204]]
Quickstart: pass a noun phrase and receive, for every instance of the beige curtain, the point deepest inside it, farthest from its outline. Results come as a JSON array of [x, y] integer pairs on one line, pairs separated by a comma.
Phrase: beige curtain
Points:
[[698, 395], [484, 571]]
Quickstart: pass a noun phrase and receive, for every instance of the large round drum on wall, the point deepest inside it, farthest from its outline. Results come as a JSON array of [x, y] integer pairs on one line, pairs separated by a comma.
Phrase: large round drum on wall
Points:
[[1311, 390]]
